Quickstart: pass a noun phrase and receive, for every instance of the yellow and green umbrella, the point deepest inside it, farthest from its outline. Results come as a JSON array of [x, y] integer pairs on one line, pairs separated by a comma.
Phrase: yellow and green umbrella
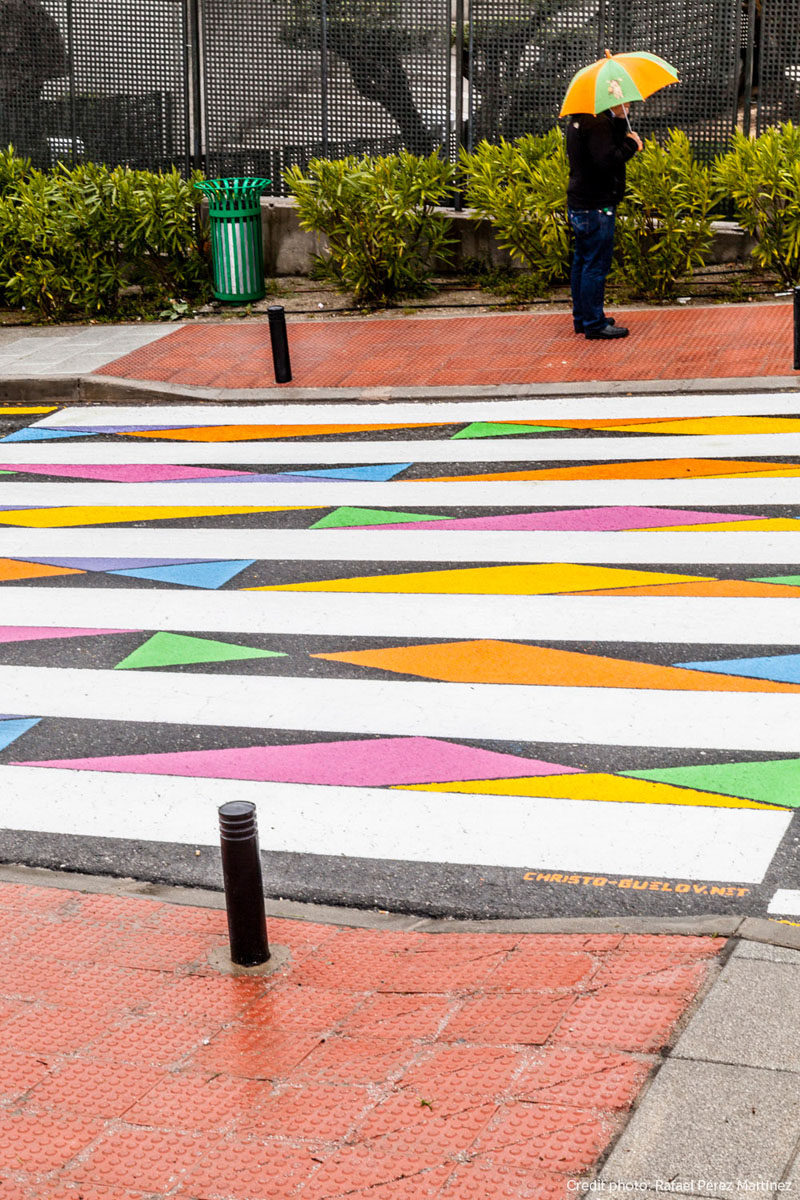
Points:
[[617, 79]]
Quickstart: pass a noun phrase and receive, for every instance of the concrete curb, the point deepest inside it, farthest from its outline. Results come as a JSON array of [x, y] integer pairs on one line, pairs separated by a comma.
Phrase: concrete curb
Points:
[[771, 933], [107, 389]]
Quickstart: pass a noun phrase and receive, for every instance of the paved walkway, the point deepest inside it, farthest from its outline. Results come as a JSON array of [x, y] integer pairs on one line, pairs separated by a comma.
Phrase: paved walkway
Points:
[[488, 351], [374, 1064]]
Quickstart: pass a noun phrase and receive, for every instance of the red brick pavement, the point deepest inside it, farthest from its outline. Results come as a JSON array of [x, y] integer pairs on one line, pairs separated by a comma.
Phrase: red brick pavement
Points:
[[380, 1065], [665, 343]]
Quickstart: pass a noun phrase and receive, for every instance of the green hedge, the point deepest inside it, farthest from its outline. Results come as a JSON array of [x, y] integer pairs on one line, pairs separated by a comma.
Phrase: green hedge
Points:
[[73, 239]]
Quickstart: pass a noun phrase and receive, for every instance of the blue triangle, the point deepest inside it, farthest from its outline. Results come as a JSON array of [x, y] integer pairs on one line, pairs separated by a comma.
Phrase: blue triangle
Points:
[[200, 574], [380, 472], [43, 435], [11, 730], [780, 668]]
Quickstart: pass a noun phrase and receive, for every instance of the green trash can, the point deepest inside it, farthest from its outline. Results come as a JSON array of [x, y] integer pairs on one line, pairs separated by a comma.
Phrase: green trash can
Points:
[[234, 207]]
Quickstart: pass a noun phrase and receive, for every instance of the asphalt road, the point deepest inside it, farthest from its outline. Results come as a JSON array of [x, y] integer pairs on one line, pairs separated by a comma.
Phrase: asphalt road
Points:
[[463, 668]]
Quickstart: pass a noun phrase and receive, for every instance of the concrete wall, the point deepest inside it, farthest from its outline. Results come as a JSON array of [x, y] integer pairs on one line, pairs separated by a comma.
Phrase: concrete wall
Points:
[[288, 249]]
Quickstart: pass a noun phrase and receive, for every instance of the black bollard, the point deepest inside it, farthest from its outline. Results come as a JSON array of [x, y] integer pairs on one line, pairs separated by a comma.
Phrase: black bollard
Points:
[[244, 892], [797, 329], [280, 343]]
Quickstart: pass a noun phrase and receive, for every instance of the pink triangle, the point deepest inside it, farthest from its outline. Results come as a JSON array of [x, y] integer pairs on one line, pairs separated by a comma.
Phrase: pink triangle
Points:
[[589, 519], [144, 473], [373, 762], [31, 633]]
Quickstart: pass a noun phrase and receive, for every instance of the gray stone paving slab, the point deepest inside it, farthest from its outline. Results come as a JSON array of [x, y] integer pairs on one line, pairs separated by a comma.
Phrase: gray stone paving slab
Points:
[[751, 1017], [703, 1123], [760, 950], [71, 350]]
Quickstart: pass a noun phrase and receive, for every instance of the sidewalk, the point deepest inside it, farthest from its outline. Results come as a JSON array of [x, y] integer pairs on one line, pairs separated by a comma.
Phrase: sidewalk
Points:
[[385, 1063], [743, 345]]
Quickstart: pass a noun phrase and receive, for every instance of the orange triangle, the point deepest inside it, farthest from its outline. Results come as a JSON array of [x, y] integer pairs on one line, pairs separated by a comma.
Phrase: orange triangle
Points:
[[11, 568], [246, 433], [489, 661], [670, 468], [715, 587]]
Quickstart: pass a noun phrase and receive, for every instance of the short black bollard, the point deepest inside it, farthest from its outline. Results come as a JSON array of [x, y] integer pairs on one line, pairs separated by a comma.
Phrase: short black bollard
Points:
[[280, 343], [797, 329], [244, 891]]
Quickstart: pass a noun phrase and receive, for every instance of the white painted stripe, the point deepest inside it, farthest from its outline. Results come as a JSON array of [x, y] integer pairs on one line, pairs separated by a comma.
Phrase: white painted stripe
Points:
[[785, 903], [538, 408], [616, 839], [698, 620], [462, 450], [617, 716], [418, 494], [405, 546]]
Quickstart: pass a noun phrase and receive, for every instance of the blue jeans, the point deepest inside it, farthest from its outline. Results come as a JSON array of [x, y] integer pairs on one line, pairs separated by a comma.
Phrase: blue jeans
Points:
[[593, 235]]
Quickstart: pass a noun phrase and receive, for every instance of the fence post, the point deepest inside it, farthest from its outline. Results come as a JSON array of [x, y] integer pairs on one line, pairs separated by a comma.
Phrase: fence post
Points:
[[193, 70], [244, 890]]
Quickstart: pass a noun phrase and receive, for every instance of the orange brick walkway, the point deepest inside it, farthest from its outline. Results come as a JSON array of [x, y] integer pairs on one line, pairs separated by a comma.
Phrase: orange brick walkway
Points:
[[381, 1066], [678, 343]]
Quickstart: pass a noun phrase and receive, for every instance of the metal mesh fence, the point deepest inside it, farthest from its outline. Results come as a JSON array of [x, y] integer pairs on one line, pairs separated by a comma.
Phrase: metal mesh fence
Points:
[[100, 80], [778, 70], [523, 55], [252, 86], [291, 80]]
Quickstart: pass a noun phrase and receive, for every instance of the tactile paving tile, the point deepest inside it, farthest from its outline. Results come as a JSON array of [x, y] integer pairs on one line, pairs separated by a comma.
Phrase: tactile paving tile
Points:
[[546, 1137], [254, 1052], [102, 1090], [240, 1170], [357, 1060], [19, 1072], [188, 1101], [624, 1018], [316, 1010], [529, 969], [585, 1078], [44, 1144], [154, 1159], [521, 1018], [355, 1167], [399, 1016], [312, 1112], [480, 1180]]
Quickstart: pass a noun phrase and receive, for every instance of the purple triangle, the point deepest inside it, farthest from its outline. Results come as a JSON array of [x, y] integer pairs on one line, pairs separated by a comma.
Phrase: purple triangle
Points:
[[114, 564]]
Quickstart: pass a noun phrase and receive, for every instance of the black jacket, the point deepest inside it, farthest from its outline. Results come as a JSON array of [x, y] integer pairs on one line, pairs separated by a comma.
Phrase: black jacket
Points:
[[598, 150]]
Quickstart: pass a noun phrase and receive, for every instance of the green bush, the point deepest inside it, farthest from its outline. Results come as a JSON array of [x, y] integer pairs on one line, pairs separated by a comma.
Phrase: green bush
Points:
[[664, 222], [72, 239], [521, 187], [763, 179], [385, 237]]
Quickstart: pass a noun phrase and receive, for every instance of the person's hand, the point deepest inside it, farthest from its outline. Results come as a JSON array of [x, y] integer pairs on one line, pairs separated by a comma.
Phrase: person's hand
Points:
[[635, 138]]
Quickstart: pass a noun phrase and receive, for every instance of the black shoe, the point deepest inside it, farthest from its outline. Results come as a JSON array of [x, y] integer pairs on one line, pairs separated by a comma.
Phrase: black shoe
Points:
[[579, 328], [606, 333]]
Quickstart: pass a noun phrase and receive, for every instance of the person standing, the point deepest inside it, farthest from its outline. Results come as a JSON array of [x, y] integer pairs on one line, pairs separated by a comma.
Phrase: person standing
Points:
[[598, 147]]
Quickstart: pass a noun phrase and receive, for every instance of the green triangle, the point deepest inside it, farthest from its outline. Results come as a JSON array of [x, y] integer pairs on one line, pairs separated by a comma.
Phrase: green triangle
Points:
[[370, 516], [481, 429], [176, 649], [776, 782], [789, 580]]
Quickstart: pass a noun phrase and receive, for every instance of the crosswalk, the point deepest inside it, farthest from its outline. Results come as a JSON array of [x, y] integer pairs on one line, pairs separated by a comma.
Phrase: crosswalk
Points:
[[526, 657]]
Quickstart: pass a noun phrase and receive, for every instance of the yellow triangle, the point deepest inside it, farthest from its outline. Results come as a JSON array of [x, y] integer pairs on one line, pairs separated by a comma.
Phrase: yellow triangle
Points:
[[615, 788], [774, 524], [527, 580], [721, 425], [50, 518]]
